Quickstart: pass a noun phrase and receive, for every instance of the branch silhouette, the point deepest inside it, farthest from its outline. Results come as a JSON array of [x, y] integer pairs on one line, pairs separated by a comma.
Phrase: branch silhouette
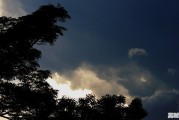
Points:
[[24, 92]]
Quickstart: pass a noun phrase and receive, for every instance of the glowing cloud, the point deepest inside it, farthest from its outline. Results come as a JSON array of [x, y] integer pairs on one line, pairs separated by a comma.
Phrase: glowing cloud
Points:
[[136, 52], [84, 80], [11, 8], [66, 90], [143, 79]]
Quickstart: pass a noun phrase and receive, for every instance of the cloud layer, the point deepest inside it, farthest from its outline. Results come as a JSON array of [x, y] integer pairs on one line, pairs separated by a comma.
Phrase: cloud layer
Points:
[[85, 78], [161, 103], [131, 80]]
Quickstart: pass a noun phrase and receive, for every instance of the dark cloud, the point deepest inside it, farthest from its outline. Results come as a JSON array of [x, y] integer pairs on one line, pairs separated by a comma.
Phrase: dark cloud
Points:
[[161, 103], [100, 38]]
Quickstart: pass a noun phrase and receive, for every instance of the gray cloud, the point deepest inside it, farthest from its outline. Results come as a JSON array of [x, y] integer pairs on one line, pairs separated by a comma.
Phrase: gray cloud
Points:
[[161, 103], [139, 80], [137, 52]]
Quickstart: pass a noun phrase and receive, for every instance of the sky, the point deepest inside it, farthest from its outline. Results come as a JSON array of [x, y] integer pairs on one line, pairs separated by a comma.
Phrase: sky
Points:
[[127, 47]]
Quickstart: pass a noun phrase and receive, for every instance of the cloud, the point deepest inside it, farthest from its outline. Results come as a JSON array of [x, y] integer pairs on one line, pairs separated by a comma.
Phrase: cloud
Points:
[[86, 78], [64, 88], [11, 8], [137, 52], [130, 80], [161, 103], [138, 80]]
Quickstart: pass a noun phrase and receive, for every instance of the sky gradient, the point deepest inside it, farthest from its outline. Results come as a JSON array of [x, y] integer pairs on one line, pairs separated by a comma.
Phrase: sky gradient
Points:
[[127, 47]]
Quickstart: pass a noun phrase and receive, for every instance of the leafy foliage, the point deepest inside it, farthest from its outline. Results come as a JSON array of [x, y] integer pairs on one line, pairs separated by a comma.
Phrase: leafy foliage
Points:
[[18, 57], [108, 107], [24, 92]]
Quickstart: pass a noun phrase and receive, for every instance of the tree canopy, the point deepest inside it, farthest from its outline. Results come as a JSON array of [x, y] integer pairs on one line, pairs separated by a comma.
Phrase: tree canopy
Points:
[[24, 91], [108, 107]]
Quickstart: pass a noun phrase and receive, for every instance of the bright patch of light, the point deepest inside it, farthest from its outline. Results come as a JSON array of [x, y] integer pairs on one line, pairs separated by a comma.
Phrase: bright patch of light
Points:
[[143, 79], [66, 90], [1, 8], [11, 8], [84, 81], [126, 105], [1, 118]]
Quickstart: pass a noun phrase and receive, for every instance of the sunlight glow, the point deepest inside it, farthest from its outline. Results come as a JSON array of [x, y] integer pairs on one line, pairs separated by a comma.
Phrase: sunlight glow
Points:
[[11, 8], [1, 118], [83, 80], [64, 89], [143, 79], [1, 10]]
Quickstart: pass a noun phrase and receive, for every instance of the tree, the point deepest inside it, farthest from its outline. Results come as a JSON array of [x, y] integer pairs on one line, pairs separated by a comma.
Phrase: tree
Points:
[[24, 92], [108, 107], [135, 110]]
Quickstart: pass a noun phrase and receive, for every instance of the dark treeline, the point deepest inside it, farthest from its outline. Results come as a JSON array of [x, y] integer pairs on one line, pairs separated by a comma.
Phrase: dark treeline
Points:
[[24, 91], [108, 107]]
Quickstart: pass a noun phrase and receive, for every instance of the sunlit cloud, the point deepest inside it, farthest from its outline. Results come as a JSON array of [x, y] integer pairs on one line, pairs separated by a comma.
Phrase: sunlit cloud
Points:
[[137, 52], [129, 80], [11, 8], [64, 89], [143, 79], [84, 80]]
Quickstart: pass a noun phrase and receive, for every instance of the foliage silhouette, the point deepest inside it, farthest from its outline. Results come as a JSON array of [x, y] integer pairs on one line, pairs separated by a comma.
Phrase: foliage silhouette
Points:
[[24, 92], [108, 107]]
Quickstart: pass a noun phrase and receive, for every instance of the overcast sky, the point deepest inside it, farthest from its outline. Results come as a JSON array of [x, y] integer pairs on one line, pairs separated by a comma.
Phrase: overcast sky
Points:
[[128, 47]]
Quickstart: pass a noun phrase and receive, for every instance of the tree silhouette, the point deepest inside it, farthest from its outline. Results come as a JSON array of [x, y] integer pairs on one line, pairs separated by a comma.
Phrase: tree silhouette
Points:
[[24, 92], [135, 110], [108, 107]]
